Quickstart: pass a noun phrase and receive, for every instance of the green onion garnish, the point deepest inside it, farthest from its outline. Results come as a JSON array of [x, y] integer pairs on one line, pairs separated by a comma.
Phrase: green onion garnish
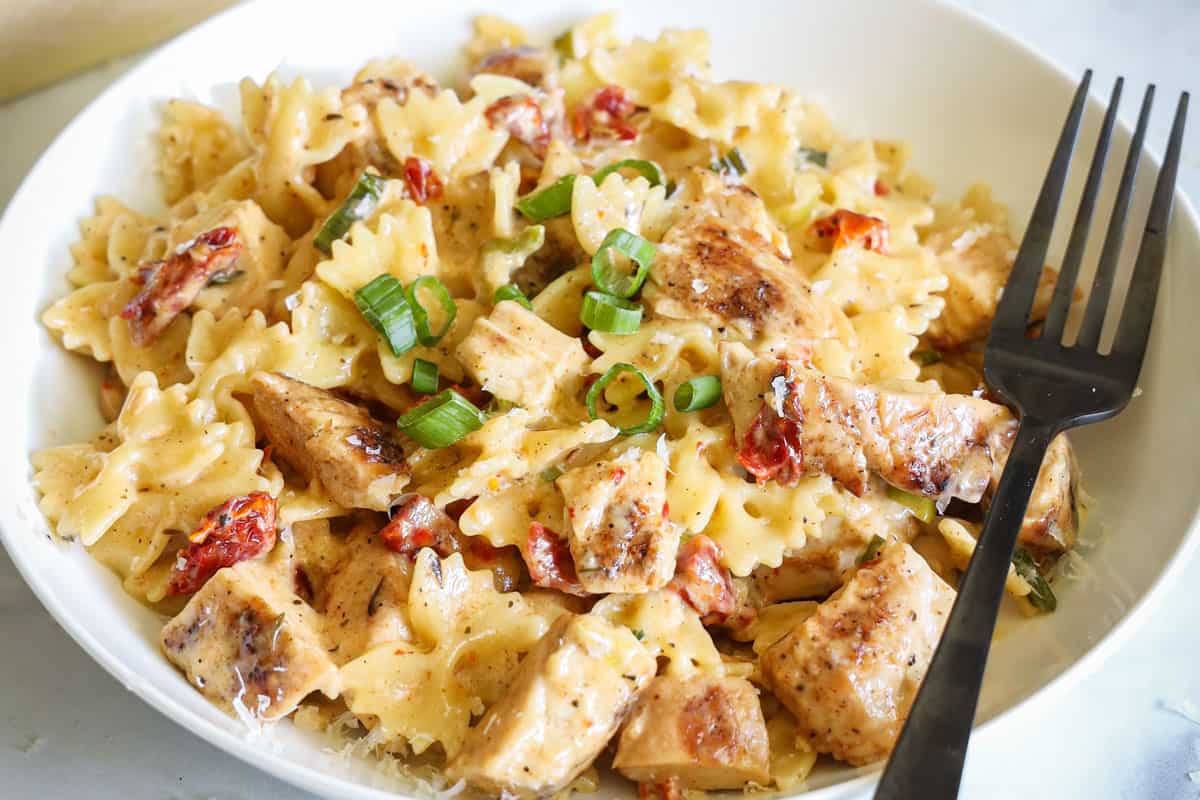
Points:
[[871, 551], [818, 157], [225, 276], [553, 201], [731, 163], [525, 243], [698, 393], [509, 291], [565, 44], [551, 473], [441, 421], [607, 277], [926, 357], [421, 316], [657, 406], [384, 305], [603, 312], [921, 507], [359, 204], [424, 377], [1040, 596], [647, 169]]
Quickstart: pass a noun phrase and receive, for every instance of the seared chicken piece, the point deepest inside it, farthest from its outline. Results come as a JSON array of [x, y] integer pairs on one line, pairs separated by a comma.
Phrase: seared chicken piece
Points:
[[250, 644], [934, 445], [1051, 521], [618, 532], [532, 65], [850, 672], [367, 601], [517, 356], [706, 732], [570, 695], [322, 436], [724, 262], [976, 262]]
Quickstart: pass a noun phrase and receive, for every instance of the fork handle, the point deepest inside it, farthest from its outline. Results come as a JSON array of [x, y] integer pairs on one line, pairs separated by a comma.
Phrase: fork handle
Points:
[[928, 759]]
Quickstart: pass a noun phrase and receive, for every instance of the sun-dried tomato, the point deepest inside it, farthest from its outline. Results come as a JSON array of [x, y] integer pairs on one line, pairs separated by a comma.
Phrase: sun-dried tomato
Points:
[[845, 228], [238, 529], [771, 449], [171, 285], [701, 580], [422, 182], [549, 561], [605, 114], [881, 188], [418, 523], [668, 789], [522, 117]]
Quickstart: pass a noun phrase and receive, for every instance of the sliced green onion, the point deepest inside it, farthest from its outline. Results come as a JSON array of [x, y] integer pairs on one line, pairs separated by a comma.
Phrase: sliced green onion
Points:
[[551, 473], [384, 305], [603, 312], [639, 634], [607, 277], [921, 507], [818, 157], [225, 276], [441, 421], [1041, 596], [510, 291], [697, 394], [358, 205], [926, 357], [657, 406], [421, 316], [525, 243], [871, 551], [565, 44], [553, 201], [424, 377], [649, 170], [731, 163]]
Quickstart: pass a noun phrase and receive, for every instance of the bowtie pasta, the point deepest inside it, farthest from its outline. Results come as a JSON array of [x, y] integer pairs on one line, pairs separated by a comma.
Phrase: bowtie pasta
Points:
[[585, 400]]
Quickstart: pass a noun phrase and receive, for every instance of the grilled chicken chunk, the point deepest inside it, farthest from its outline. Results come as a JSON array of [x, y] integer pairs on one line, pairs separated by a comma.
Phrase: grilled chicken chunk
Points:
[[618, 533], [850, 672], [250, 644], [535, 66], [570, 695], [706, 732], [1051, 522], [977, 261], [325, 437], [367, 601], [517, 356], [726, 263], [934, 445]]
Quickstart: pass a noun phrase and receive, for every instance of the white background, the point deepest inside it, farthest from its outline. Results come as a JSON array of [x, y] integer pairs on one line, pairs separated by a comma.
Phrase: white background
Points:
[[69, 730]]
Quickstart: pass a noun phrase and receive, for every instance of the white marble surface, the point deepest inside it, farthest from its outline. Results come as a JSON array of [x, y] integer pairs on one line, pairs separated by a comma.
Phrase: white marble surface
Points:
[[69, 730]]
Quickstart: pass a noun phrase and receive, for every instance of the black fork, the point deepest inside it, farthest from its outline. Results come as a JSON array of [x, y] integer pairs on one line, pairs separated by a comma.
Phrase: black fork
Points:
[[1053, 386]]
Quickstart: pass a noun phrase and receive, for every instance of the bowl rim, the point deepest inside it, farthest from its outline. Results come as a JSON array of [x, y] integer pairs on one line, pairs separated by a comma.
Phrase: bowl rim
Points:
[[311, 778]]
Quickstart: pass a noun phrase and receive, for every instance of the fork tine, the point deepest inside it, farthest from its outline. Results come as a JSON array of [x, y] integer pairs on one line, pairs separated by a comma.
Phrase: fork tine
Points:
[[1060, 304], [1093, 317], [1134, 328], [1013, 310]]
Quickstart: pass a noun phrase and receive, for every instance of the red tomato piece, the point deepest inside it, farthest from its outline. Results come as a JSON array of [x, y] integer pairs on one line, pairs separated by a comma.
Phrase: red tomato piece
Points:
[[238, 529]]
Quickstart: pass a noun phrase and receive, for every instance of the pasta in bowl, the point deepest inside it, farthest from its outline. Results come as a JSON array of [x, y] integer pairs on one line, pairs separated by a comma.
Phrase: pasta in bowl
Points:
[[592, 402]]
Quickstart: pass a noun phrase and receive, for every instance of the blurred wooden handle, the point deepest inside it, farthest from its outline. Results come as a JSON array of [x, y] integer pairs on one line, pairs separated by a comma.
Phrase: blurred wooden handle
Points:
[[41, 42]]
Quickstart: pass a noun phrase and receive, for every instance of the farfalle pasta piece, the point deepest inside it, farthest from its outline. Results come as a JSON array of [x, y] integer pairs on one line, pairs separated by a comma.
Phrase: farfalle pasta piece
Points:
[[197, 145], [632, 204], [295, 128], [471, 640], [401, 244]]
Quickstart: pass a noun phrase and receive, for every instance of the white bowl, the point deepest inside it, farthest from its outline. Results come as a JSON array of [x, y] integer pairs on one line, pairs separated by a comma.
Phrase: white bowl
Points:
[[975, 104]]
